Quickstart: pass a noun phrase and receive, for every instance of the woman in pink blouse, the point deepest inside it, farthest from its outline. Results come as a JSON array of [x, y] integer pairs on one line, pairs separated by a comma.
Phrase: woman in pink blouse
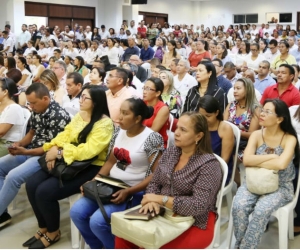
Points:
[[195, 176]]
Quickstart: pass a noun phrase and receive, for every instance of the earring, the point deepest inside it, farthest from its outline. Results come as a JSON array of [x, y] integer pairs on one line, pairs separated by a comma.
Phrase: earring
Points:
[[196, 142]]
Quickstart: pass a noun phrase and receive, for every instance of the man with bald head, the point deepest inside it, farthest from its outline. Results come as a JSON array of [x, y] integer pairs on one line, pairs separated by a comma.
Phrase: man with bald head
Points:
[[131, 50], [142, 73]]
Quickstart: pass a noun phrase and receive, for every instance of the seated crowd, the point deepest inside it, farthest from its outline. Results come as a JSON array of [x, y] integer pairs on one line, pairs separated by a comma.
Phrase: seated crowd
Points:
[[95, 94]]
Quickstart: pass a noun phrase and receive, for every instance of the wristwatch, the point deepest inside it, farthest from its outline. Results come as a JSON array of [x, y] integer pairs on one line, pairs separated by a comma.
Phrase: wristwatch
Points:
[[165, 200], [59, 156]]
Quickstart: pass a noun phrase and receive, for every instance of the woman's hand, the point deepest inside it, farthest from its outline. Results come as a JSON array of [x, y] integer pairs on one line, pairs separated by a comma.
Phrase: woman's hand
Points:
[[51, 154], [120, 196], [50, 165], [147, 198], [151, 207]]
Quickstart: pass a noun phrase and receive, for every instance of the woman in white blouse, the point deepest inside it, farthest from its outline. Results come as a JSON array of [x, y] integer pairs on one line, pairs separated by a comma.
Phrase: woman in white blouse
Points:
[[51, 48], [26, 73], [112, 52], [30, 48], [43, 52], [12, 117], [70, 51]]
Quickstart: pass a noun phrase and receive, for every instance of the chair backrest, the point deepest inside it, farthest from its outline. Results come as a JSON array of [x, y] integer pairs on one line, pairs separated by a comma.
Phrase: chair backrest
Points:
[[237, 135], [220, 195], [169, 132], [27, 115]]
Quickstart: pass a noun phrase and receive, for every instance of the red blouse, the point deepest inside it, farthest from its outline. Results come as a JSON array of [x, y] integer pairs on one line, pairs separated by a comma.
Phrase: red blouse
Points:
[[194, 58], [149, 122]]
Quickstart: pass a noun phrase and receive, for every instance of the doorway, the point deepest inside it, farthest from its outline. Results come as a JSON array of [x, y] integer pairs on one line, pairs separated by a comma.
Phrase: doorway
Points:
[[151, 17]]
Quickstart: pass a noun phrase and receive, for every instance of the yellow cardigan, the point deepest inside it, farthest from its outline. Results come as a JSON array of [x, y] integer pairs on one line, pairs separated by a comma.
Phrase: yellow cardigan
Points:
[[97, 141]]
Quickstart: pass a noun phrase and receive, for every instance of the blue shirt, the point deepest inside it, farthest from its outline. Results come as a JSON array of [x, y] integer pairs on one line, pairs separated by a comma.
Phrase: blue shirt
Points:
[[224, 83], [261, 85], [296, 54], [147, 54], [129, 52], [1, 40]]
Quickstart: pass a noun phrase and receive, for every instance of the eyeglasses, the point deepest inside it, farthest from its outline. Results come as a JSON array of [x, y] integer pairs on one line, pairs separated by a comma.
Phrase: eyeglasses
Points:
[[267, 112], [148, 89], [84, 97]]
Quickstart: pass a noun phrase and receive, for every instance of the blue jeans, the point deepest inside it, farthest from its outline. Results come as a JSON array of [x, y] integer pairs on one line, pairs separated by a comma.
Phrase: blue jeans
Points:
[[14, 171], [89, 220]]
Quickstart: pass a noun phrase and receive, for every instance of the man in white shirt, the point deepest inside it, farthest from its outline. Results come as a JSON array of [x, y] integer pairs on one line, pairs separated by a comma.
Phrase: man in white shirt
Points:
[[291, 42], [47, 37], [10, 34], [267, 29], [23, 38], [88, 33], [103, 33], [60, 70], [183, 81], [254, 31], [132, 28], [74, 83], [68, 34], [8, 43], [79, 34], [272, 52]]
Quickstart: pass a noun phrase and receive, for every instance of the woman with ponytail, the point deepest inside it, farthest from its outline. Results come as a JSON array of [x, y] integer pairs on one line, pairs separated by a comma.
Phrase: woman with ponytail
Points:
[[12, 118], [26, 73], [133, 148]]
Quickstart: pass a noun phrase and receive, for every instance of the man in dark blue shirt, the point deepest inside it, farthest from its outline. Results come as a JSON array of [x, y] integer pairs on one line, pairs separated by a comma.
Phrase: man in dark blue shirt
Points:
[[131, 50], [223, 82], [147, 52]]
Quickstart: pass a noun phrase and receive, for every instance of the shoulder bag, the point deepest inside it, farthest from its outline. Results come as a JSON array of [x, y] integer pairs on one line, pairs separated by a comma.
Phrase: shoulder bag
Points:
[[63, 171]]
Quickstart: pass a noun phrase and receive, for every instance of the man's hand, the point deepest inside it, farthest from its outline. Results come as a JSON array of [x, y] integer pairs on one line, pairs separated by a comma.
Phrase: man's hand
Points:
[[17, 150]]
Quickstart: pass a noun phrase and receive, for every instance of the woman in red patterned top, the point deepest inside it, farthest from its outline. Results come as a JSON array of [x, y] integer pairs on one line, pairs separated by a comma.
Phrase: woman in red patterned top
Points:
[[201, 52], [187, 180], [158, 122]]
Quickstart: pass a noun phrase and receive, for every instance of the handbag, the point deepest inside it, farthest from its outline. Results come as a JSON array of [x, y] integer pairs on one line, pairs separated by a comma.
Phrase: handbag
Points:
[[261, 180], [63, 171], [153, 233], [101, 192]]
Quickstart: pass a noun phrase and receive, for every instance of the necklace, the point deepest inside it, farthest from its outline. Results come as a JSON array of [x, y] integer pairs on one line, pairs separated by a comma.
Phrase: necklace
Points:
[[242, 107]]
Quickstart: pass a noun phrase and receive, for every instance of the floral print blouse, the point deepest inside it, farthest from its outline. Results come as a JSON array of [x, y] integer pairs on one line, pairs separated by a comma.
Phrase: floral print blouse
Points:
[[243, 121], [174, 102]]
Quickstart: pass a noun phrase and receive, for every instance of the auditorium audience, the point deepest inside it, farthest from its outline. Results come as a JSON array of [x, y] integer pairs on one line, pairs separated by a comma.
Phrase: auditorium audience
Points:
[[171, 54], [39, 68]]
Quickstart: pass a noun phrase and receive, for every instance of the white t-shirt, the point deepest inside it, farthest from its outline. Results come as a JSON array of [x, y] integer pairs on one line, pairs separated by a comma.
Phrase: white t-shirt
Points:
[[28, 79], [184, 85], [29, 51], [70, 53], [104, 35], [8, 42], [254, 65], [134, 152], [13, 114]]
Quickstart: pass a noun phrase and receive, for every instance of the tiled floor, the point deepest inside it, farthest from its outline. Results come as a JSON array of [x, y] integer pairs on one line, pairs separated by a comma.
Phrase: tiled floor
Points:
[[24, 225]]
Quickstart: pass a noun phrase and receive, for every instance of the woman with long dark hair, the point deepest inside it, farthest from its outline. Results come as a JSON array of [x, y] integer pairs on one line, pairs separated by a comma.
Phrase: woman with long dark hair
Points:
[[201, 52], [79, 66], [12, 116], [152, 91], [172, 54], [274, 147], [26, 73], [134, 148], [95, 35], [207, 85], [88, 135], [221, 133]]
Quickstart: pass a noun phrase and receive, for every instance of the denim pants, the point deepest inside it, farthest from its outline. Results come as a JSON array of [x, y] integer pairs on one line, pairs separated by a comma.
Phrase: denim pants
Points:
[[89, 220], [14, 171]]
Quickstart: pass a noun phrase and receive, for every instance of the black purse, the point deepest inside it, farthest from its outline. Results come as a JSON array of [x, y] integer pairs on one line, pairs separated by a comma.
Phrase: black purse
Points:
[[101, 192], [63, 171]]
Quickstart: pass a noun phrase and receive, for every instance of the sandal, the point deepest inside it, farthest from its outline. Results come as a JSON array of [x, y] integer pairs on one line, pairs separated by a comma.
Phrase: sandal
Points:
[[32, 239], [40, 245]]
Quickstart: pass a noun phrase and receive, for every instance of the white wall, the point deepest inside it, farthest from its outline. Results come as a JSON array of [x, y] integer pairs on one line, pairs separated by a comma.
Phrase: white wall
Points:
[[180, 11], [221, 12]]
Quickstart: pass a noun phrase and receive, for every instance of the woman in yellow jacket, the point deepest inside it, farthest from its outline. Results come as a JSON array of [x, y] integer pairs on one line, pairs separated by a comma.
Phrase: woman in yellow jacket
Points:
[[86, 136]]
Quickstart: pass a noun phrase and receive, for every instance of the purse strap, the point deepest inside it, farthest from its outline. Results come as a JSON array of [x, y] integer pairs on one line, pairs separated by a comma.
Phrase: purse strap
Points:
[[101, 207]]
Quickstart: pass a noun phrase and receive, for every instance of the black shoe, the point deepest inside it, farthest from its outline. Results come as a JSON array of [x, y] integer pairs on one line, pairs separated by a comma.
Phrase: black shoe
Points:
[[40, 245], [32, 239], [5, 218]]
